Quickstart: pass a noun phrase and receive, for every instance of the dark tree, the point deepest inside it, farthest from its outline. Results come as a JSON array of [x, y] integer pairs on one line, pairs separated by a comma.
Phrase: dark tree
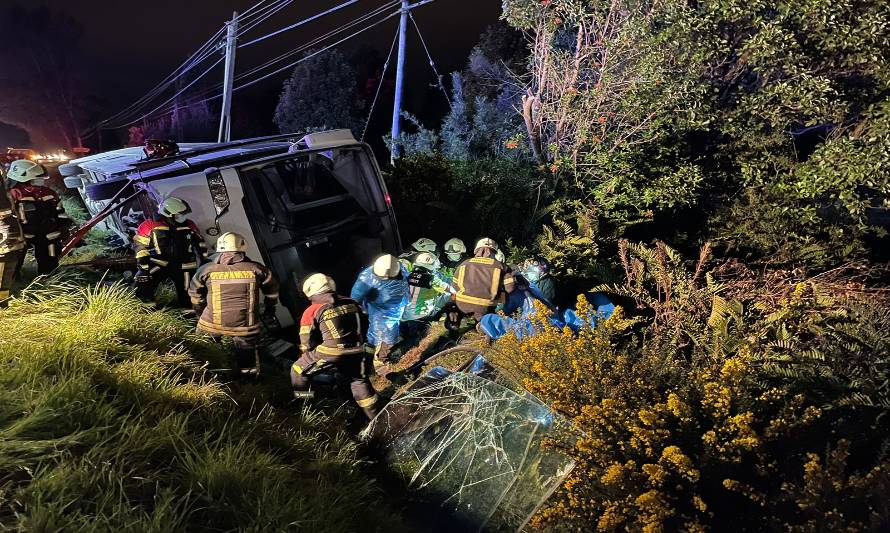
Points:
[[320, 94]]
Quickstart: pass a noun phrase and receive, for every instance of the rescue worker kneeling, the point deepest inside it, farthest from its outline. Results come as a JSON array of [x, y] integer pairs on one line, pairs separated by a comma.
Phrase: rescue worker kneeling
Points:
[[331, 332], [482, 281], [226, 293]]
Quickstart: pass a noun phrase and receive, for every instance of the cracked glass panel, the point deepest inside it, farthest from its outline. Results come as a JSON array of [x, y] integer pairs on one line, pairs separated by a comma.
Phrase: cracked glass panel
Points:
[[473, 445]]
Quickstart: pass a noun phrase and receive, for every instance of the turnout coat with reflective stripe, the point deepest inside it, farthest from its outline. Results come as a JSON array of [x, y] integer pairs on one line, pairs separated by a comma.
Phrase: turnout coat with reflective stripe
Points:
[[160, 243], [480, 282], [228, 289], [332, 326], [39, 211]]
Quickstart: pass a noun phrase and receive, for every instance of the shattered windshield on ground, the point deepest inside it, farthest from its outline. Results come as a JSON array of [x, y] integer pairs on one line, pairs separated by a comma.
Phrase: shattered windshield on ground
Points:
[[473, 445]]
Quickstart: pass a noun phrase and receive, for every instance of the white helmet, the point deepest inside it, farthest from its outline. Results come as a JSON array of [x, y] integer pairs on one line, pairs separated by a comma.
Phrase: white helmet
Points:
[[486, 242], [231, 242], [455, 248], [173, 206], [424, 245], [24, 171], [427, 260], [386, 266], [318, 284]]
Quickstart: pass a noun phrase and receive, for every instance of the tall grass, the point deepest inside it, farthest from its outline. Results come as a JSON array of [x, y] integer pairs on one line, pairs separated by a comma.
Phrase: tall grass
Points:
[[109, 421]]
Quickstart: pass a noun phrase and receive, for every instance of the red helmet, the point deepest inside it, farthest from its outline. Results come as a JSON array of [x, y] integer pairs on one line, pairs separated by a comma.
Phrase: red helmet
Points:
[[156, 148]]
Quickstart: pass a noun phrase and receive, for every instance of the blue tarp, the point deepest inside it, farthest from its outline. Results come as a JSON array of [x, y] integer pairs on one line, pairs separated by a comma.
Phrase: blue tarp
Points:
[[384, 300], [496, 326]]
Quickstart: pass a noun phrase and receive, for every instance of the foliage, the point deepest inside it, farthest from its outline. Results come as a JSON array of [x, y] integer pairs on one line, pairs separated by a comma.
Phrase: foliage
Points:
[[119, 426], [717, 403], [319, 95]]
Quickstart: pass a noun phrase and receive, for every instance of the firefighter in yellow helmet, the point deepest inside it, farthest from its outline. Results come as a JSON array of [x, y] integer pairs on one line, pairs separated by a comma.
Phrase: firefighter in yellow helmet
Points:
[[331, 332], [168, 247], [226, 295], [40, 212], [482, 280]]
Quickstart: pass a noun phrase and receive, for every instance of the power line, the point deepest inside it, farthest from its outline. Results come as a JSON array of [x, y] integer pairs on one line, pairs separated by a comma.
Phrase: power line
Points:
[[379, 85], [298, 24], [430, 57], [290, 53]]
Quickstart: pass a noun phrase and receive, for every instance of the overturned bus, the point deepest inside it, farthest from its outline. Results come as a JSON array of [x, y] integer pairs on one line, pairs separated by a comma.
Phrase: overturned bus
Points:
[[305, 203]]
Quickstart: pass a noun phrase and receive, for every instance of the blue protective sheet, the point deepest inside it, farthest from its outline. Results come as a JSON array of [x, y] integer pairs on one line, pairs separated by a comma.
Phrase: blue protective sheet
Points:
[[496, 326], [385, 301]]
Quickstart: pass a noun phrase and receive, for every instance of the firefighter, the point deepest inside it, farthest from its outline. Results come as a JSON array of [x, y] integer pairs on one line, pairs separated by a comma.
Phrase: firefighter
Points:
[[428, 289], [482, 281], [43, 219], [418, 247], [12, 244], [226, 294], [331, 333], [169, 247], [455, 253], [382, 290]]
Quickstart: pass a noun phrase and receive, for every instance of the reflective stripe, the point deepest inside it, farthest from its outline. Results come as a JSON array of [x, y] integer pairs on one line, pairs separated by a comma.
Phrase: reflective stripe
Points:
[[332, 329], [159, 261], [234, 274], [215, 308], [304, 348], [187, 278], [26, 199], [251, 303], [331, 350], [154, 236], [4, 295], [47, 197], [297, 368], [51, 249], [142, 253], [54, 235], [304, 395], [183, 228], [340, 310], [305, 330], [367, 402], [141, 240], [189, 265], [272, 295], [482, 260], [154, 269], [495, 278], [473, 300]]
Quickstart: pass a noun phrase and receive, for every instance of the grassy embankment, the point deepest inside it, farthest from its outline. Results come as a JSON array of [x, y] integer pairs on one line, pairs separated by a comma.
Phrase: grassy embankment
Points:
[[109, 421]]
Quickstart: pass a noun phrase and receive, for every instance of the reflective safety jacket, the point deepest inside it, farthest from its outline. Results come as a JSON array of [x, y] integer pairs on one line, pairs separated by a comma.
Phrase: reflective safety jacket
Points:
[[480, 283], [39, 211], [227, 293], [11, 237], [160, 243], [332, 326], [428, 292]]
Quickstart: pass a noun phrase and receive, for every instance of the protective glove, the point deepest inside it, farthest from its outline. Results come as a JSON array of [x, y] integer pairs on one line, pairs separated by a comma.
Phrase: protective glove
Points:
[[141, 276]]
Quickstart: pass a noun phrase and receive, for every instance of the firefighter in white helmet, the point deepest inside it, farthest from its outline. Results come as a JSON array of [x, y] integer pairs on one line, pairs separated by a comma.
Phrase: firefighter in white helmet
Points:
[[482, 281], [169, 246], [418, 247], [382, 290], [331, 332], [225, 293], [428, 289], [39, 210], [455, 252]]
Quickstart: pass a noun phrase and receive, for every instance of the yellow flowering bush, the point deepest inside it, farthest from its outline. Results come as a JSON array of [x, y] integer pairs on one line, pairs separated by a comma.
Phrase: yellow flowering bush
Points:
[[705, 435]]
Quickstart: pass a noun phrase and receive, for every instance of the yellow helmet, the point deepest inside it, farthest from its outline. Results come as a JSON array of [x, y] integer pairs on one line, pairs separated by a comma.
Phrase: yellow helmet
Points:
[[24, 171], [173, 206], [486, 242], [318, 284], [424, 245], [231, 242], [386, 266]]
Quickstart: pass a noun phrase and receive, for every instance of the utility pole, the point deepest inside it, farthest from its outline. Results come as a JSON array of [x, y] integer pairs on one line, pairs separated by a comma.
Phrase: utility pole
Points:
[[225, 116], [395, 151]]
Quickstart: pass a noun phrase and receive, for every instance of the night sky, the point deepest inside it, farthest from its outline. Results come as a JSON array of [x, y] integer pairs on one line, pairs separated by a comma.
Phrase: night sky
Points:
[[128, 46]]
